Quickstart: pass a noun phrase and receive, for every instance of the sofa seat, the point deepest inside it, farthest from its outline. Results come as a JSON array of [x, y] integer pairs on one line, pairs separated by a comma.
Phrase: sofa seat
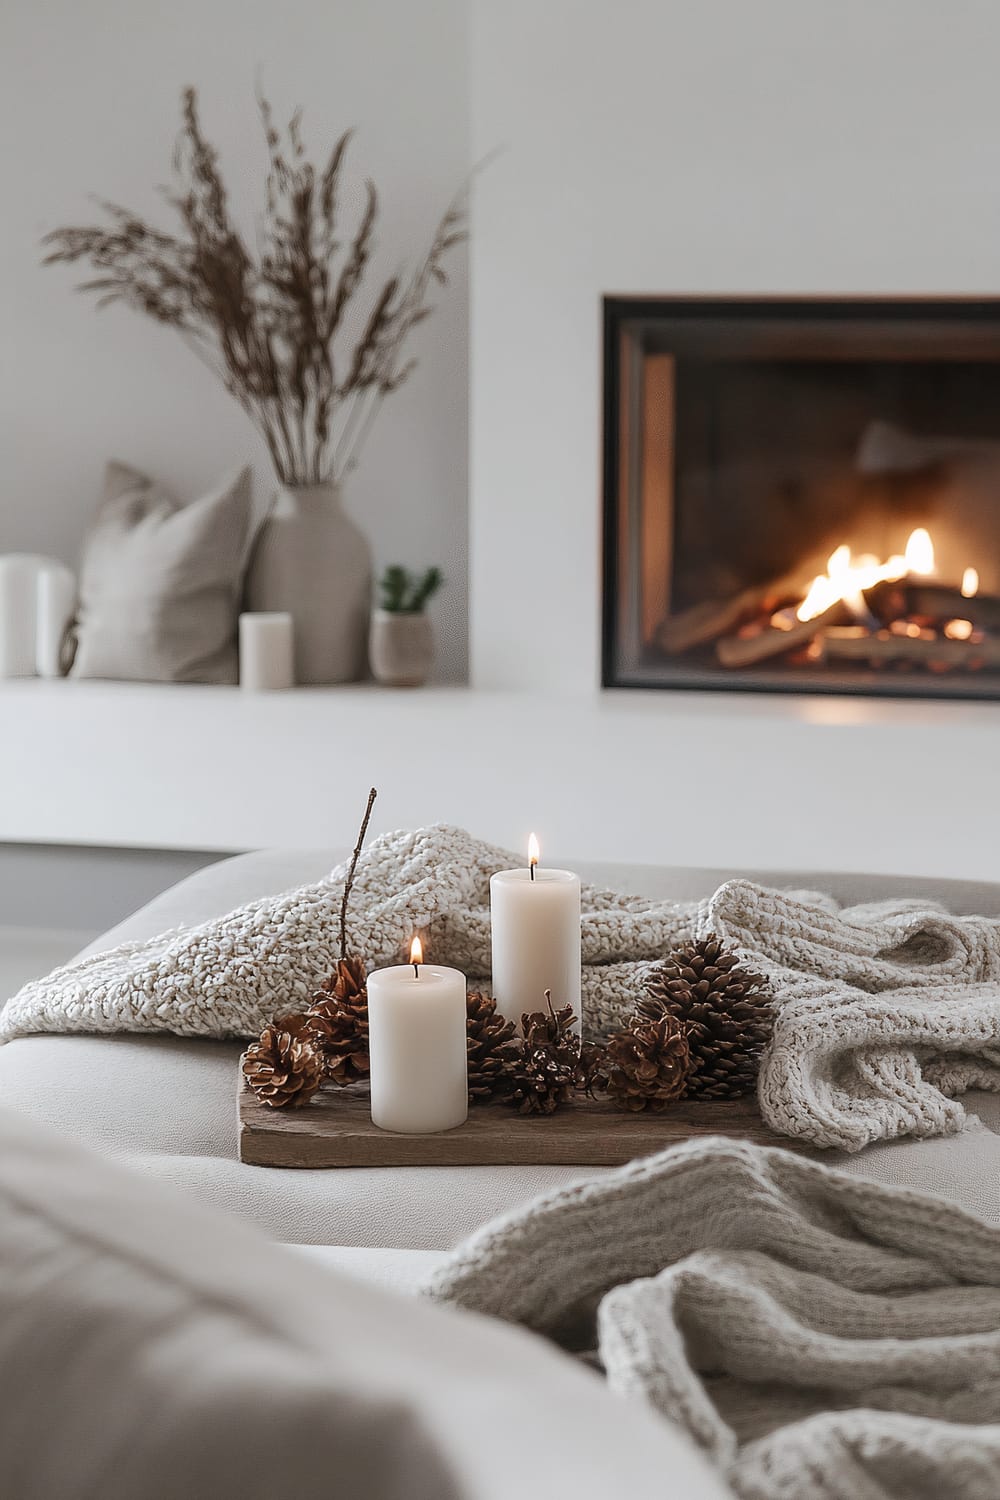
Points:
[[167, 1105]]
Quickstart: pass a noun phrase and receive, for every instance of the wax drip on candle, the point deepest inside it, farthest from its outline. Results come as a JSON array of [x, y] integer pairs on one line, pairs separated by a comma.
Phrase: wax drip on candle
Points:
[[416, 956], [532, 855]]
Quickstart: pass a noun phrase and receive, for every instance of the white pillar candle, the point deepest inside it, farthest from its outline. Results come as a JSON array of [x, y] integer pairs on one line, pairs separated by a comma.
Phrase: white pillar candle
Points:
[[416, 1047], [55, 604], [18, 611], [266, 651], [535, 920]]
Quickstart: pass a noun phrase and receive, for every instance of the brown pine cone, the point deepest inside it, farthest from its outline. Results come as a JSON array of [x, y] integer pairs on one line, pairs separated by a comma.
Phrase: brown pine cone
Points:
[[283, 1068], [547, 1071], [491, 1042], [338, 1022], [648, 1064], [726, 1011]]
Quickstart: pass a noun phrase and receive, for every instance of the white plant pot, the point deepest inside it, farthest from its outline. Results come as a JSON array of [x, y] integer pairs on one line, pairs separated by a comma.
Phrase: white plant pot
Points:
[[400, 648], [311, 561]]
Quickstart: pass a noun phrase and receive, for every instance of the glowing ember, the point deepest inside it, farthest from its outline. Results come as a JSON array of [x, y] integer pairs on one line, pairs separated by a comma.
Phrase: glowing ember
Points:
[[958, 630], [970, 583]]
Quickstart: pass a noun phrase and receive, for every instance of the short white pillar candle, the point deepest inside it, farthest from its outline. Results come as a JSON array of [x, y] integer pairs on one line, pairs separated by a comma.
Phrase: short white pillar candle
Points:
[[418, 1072], [18, 612], [535, 923], [266, 651]]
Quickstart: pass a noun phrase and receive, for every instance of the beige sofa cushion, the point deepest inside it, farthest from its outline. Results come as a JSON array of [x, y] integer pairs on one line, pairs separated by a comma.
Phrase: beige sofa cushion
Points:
[[161, 583], [150, 1347]]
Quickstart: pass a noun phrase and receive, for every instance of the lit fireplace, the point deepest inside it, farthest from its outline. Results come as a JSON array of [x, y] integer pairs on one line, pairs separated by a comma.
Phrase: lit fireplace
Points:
[[803, 496]]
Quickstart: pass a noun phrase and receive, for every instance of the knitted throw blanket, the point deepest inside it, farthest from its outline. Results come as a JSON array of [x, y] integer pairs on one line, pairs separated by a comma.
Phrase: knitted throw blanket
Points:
[[885, 1012], [815, 1333]]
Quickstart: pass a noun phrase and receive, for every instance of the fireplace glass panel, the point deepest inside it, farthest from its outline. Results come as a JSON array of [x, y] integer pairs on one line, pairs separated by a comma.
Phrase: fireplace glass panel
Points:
[[803, 496]]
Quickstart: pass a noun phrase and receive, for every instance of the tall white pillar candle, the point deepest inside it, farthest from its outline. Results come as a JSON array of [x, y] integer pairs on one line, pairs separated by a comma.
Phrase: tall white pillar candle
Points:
[[416, 1047], [266, 651], [535, 920]]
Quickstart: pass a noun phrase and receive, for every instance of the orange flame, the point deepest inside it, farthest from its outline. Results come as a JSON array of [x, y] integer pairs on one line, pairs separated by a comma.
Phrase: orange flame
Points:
[[533, 852], [970, 583], [847, 577], [416, 952]]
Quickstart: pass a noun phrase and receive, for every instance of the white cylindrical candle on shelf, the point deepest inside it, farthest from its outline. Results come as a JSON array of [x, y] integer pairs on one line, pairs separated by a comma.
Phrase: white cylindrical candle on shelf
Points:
[[266, 651], [55, 603], [416, 1047], [18, 614], [535, 921]]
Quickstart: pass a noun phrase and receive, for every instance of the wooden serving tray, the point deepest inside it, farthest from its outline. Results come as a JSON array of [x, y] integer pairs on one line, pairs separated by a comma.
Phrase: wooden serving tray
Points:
[[335, 1130]]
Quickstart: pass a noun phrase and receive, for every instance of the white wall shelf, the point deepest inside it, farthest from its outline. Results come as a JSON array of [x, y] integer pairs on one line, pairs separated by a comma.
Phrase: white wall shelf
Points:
[[724, 779]]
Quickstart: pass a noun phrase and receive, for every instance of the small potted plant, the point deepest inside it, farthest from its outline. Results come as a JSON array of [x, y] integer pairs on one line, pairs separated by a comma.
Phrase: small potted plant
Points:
[[401, 642]]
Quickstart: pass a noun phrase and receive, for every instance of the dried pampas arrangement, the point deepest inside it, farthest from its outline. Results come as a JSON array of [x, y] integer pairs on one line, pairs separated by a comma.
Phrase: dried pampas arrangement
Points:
[[270, 321]]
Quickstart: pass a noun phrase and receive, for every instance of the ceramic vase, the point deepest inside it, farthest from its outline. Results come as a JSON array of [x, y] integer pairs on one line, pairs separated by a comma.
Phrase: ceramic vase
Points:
[[400, 648], [312, 561]]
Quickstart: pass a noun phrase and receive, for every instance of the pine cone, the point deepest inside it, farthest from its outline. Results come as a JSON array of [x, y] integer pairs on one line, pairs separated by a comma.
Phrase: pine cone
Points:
[[726, 1011], [547, 1071], [283, 1068], [338, 1022], [648, 1064], [492, 1045]]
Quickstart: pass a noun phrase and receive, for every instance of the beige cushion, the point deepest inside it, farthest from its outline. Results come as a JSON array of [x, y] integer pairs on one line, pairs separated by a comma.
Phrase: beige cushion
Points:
[[160, 583], [150, 1347]]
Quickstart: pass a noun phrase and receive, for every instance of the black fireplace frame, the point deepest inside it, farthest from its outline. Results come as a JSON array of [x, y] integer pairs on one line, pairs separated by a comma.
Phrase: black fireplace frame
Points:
[[979, 314]]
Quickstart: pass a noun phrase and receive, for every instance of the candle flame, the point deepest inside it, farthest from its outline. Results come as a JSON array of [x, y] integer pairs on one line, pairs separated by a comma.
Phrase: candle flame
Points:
[[533, 852], [970, 583], [416, 952]]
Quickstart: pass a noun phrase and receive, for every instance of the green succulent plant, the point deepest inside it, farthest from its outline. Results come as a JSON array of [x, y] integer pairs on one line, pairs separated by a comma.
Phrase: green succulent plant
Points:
[[406, 593]]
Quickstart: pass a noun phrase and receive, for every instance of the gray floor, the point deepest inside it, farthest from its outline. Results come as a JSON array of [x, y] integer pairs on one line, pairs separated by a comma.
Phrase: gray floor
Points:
[[29, 952]]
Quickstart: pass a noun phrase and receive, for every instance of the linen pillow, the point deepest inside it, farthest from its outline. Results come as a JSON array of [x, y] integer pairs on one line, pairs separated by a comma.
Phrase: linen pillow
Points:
[[150, 1346], [161, 583]]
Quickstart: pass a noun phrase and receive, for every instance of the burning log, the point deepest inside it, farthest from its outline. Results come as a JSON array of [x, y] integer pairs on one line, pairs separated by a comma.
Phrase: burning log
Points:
[[747, 650], [713, 618], [882, 649], [916, 599]]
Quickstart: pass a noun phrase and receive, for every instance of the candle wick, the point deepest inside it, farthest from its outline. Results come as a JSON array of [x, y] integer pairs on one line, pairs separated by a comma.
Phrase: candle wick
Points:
[[416, 971], [531, 869]]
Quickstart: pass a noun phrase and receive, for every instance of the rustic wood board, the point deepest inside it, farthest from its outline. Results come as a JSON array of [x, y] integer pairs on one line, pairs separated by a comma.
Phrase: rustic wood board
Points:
[[335, 1130]]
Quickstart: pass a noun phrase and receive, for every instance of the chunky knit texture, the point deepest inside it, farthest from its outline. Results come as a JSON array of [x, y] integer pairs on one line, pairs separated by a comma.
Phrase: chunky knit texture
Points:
[[817, 1334], [884, 1012]]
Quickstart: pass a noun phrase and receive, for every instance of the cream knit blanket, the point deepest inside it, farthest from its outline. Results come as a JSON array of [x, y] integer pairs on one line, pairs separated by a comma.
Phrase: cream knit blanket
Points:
[[817, 1334], [885, 1012]]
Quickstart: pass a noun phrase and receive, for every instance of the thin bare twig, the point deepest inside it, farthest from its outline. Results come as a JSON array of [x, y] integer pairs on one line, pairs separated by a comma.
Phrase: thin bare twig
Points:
[[350, 874]]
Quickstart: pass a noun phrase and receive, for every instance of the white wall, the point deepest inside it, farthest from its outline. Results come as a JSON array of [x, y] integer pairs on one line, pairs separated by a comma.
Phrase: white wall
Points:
[[89, 105], [687, 145]]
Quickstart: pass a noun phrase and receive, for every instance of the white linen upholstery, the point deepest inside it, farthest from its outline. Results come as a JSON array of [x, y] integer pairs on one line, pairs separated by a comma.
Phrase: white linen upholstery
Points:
[[168, 1105], [150, 1347]]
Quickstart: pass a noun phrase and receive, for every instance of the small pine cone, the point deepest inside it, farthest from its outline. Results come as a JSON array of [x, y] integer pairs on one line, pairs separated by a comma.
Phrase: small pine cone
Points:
[[542, 1079], [492, 1047], [726, 1011], [546, 1072], [338, 1022], [648, 1064], [283, 1068]]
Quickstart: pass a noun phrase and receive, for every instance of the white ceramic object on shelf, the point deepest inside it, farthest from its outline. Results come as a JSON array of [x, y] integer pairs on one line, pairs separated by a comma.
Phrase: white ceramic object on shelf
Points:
[[55, 605], [400, 648], [312, 562], [37, 598], [267, 647]]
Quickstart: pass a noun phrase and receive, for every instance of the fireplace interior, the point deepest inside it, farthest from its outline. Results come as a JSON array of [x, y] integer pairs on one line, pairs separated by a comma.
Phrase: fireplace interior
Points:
[[803, 495]]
